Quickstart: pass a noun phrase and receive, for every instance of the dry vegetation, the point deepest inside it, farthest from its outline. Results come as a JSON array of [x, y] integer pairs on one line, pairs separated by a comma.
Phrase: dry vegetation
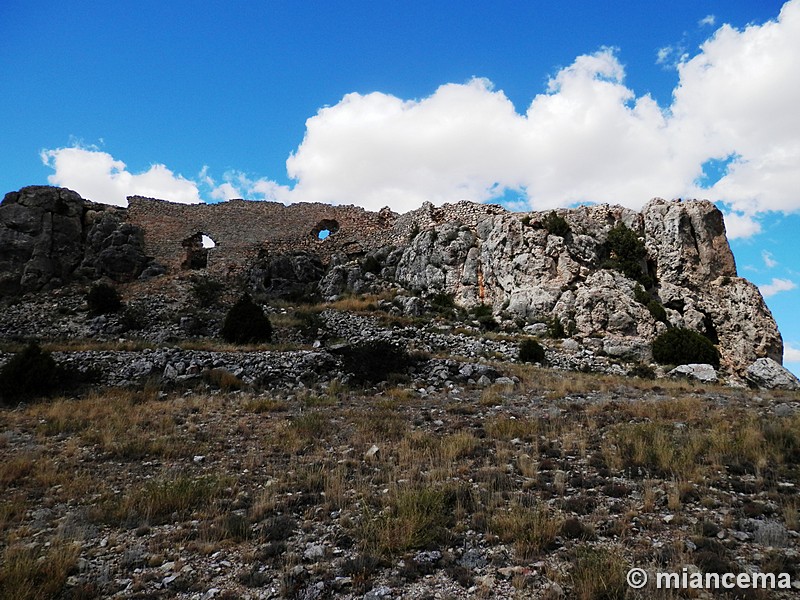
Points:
[[567, 479]]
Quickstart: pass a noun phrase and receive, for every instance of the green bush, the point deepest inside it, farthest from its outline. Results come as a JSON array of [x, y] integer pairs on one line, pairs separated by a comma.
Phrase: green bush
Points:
[[627, 253], [370, 264], [657, 310], [556, 225], [641, 296], [373, 361], [555, 329], [29, 374], [442, 301], [246, 323], [206, 290], [642, 371], [530, 351], [482, 313], [103, 299], [678, 346]]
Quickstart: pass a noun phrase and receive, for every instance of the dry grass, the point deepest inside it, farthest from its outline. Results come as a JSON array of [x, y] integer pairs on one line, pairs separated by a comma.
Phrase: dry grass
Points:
[[512, 475], [31, 573], [530, 529]]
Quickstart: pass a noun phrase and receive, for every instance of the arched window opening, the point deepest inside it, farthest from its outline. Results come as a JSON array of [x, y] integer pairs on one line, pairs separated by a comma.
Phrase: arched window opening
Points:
[[325, 228], [197, 247]]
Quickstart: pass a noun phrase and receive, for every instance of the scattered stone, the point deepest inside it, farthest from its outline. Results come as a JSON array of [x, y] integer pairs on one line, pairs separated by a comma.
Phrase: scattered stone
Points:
[[699, 372], [767, 373]]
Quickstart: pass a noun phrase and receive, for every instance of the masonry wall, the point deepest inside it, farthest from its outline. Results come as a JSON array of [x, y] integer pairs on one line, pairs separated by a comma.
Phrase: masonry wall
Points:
[[241, 229]]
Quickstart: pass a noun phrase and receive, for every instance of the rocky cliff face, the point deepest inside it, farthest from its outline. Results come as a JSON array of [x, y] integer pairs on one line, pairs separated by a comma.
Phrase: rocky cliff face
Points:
[[528, 272], [51, 236], [512, 262]]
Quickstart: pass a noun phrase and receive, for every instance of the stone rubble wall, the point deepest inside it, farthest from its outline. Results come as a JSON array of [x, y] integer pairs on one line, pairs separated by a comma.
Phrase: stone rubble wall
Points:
[[241, 229]]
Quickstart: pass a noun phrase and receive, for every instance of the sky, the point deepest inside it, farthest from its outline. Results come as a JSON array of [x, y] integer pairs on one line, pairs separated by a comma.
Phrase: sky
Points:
[[375, 103]]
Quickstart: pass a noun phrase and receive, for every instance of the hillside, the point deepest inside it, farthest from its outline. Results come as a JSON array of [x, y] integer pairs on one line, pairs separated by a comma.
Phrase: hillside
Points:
[[456, 402]]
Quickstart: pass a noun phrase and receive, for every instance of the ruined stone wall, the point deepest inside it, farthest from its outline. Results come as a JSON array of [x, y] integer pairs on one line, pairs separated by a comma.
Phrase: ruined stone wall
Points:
[[241, 229]]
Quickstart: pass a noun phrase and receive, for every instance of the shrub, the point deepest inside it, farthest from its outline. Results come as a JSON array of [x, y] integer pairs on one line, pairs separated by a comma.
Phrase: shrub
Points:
[[373, 361], [481, 310], [530, 351], [442, 302], [29, 374], [556, 225], [657, 310], [488, 323], [642, 371], [370, 264], [679, 346], [526, 220], [555, 329], [246, 323], [641, 296], [627, 253], [206, 290], [134, 317], [103, 299]]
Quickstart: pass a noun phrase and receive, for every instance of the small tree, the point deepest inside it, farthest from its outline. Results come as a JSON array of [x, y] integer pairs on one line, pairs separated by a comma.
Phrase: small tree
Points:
[[29, 374], [530, 351], [246, 323], [207, 290], [679, 346], [373, 361], [627, 253], [103, 299], [556, 224]]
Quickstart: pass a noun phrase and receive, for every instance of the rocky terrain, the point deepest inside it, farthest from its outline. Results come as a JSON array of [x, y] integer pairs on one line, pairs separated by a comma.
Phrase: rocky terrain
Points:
[[395, 437]]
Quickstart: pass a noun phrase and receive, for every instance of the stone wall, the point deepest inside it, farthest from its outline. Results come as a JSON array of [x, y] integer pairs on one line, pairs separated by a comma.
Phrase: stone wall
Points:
[[241, 229]]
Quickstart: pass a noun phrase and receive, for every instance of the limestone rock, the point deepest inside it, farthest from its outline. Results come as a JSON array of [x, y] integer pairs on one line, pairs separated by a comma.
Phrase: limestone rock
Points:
[[699, 372], [50, 236], [766, 373], [40, 238]]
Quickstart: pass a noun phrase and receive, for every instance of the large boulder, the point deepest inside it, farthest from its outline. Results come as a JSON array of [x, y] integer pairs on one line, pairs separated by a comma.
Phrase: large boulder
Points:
[[114, 248], [50, 236], [767, 373], [40, 238]]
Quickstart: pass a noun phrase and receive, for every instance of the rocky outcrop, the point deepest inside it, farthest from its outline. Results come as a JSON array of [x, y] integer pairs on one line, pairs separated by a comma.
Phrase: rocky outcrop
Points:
[[766, 373], [50, 236], [40, 238], [513, 263], [529, 272]]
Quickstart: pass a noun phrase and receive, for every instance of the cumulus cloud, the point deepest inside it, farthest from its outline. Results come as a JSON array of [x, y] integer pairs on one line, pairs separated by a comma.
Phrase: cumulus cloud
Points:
[[776, 286], [791, 353], [98, 176], [587, 138], [738, 225]]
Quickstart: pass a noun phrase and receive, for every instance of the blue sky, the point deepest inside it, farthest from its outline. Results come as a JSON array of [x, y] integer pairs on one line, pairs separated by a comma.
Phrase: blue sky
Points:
[[385, 103]]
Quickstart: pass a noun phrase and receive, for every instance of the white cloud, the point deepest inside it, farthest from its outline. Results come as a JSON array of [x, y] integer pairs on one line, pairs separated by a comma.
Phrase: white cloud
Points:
[[739, 96], [791, 354], [587, 138], [663, 55], [710, 20], [97, 176], [769, 262], [776, 286], [738, 225]]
